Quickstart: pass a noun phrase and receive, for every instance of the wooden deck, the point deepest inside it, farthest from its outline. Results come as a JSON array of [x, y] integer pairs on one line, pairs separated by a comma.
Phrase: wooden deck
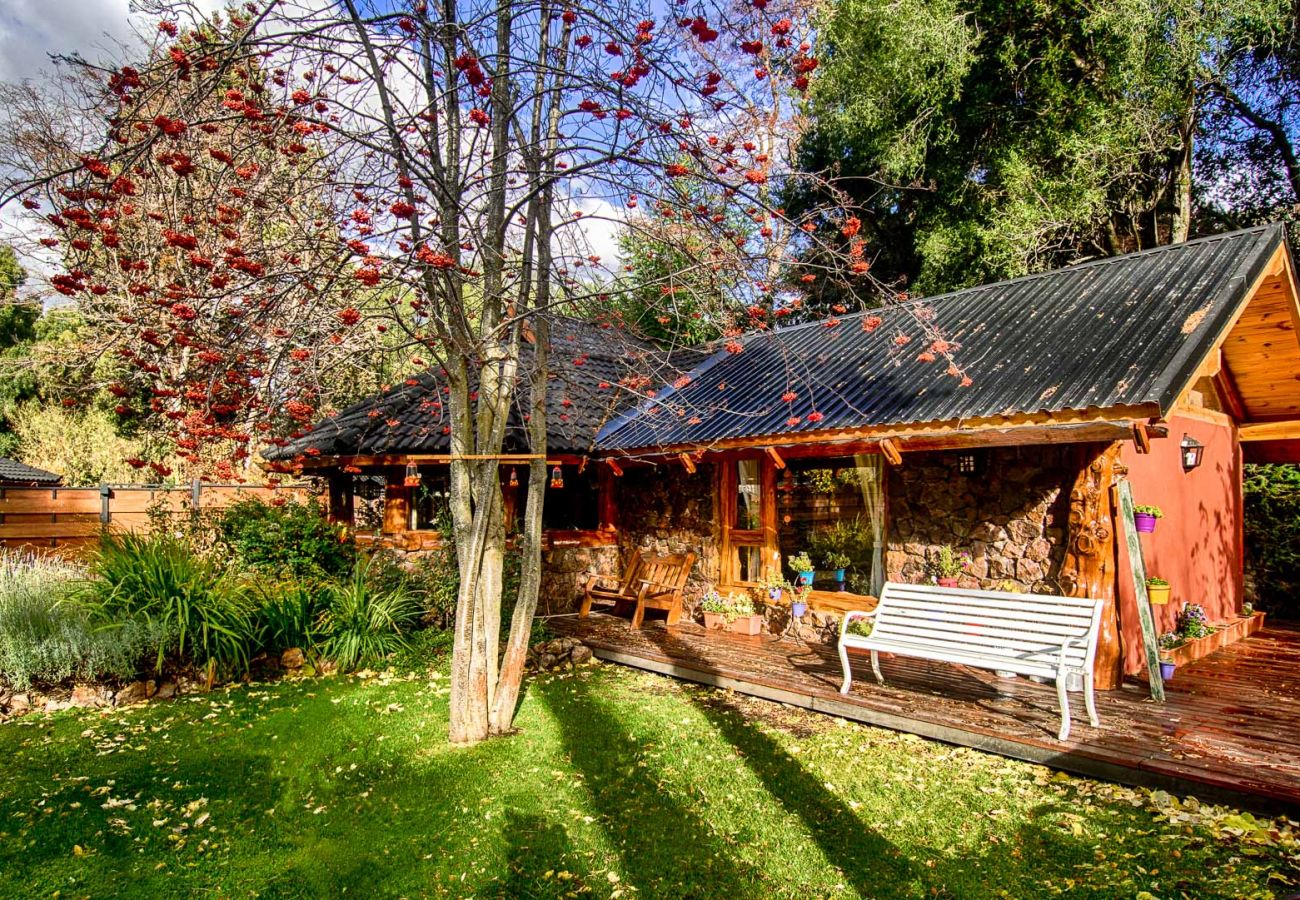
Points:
[[1229, 731]]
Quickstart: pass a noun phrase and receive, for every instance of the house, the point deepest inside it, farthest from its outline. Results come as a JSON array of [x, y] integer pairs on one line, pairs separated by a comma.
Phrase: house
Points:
[[996, 420], [16, 474]]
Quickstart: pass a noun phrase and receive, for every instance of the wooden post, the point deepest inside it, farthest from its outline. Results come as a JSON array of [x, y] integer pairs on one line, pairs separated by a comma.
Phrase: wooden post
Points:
[[1150, 642], [1090, 553], [396, 503], [339, 500], [105, 504]]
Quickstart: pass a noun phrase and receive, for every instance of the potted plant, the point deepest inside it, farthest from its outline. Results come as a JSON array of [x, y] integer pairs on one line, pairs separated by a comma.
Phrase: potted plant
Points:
[[799, 601], [945, 566], [1168, 642], [1157, 591], [1144, 517], [1193, 623], [776, 586], [837, 562], [733, 612], [802, 565]]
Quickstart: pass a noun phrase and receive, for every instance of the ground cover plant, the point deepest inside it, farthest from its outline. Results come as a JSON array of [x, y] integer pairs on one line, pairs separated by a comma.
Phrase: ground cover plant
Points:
[[618, 784]]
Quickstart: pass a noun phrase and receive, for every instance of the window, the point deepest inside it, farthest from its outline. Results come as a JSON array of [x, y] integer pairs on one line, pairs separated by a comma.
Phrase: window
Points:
[[834, 507], [573, 507], [749, 495], [429, 501]]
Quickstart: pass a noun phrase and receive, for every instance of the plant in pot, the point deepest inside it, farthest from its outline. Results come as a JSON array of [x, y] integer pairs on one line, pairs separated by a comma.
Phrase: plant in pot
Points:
[[1169, 641], [945, 566], [1144, 517], [799, 600], [837, 562], [775, 586], [1192, 623], [1157, 591], [733, 612], [802, 565]]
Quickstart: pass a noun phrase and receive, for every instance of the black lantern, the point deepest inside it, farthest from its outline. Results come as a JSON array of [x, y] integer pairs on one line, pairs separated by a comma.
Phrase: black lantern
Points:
[[412, 475], [1191, 450], [557, 478]]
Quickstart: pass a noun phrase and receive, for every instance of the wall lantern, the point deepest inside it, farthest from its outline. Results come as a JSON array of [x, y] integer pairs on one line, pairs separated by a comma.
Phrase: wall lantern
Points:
[[1191, 449], [514, 477], [412, 475], [557, 478]]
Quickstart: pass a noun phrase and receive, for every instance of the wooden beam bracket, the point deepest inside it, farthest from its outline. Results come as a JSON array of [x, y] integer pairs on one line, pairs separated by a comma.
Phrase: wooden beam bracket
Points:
[[777, 459], [891, 452], [615, 467], [1141, 438], [687, 463]]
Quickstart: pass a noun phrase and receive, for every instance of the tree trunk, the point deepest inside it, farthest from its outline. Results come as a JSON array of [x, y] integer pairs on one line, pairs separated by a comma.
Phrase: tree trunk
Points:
[[1181, 226]]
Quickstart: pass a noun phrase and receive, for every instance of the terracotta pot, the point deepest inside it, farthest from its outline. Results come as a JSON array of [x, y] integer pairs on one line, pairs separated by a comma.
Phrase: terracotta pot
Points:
[[1145, 522], [1158, 594], [947, 582], [715, 621], [746, 624]]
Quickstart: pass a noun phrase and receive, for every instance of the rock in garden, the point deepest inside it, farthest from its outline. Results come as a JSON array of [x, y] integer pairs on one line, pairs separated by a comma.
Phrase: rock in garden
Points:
[[581, 654], [165, 691], [547, 661], [88, 696], [19, 704], [135, 692], [292, 658]]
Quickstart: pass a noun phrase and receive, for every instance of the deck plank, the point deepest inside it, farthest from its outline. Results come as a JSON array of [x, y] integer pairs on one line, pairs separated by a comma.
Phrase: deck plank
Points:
[[1230, 729]]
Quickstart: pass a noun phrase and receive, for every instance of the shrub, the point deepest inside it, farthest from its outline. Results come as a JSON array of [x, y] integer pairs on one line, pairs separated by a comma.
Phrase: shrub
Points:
[[291, 539], [1273, 536], [289, 612], [158, 579], [46, 636], [364, 621]]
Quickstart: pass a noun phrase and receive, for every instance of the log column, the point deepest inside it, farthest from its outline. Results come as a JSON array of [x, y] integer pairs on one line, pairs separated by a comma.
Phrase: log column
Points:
[[1090, 557], [397, 498]]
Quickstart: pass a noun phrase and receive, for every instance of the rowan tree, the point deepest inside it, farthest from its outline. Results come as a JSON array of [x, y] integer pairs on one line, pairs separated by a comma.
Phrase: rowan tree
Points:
[[440, 172]]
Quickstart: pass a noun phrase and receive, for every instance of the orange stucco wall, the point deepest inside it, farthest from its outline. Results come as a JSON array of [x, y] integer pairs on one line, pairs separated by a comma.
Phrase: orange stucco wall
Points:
[[1197, 546]]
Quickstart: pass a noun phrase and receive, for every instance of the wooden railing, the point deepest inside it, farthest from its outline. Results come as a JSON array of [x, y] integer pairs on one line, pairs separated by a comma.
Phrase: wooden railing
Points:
[[72, 518]]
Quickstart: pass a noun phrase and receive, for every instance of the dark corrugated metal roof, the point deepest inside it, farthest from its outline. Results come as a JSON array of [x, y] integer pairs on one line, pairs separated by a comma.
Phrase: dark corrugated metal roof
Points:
[[14, 472], [1124, 331], [410, 417]]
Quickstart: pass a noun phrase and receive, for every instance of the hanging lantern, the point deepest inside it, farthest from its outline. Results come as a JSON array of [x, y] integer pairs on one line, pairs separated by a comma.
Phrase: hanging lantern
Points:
[[514, 477], [557, 478], [412, 475], [1191, 450]]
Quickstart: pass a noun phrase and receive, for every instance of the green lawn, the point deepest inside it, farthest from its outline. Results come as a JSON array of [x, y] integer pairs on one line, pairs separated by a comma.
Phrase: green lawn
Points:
[[618, 784]]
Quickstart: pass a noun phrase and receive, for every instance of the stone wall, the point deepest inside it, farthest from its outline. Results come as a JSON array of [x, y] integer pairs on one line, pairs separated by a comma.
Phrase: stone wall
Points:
[[664, 509], [1011, 518], [565, 571]]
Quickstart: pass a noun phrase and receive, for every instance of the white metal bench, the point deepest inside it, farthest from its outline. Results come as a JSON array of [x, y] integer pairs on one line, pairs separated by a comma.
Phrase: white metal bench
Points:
[[1029, 634]]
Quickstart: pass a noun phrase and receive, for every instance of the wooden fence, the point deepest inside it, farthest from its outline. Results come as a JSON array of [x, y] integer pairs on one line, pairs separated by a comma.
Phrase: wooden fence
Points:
[[70, 519]]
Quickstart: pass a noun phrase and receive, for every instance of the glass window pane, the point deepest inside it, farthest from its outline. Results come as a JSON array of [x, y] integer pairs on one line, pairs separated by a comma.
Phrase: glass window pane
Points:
[[429, 509], [749, 563], [834, 510], [749, 492]]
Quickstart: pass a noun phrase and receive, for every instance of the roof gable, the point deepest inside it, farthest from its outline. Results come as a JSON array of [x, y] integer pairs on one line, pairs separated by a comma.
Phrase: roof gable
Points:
[[14, 472]]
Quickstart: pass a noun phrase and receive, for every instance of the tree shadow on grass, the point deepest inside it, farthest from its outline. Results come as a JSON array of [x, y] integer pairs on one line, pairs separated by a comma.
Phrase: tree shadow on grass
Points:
[[666, 847], [869, 862], [538, 855]]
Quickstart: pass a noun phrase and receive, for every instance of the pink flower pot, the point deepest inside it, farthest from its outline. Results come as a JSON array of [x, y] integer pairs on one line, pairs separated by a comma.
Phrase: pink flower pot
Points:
[[947, 582], [715, 621], [1145, 522], [746, 624]]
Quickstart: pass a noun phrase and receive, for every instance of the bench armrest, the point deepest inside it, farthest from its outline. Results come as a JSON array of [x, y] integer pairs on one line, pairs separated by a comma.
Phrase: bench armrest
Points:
[[594, 580], [1066, 645], [855, 614]]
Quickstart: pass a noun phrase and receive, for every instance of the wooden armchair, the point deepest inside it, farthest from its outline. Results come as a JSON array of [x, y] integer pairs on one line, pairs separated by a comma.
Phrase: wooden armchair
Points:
[[608, 589], [651, 582]]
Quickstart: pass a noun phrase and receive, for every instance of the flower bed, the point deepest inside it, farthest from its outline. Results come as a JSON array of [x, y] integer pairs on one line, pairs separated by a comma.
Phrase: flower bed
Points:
[[1225, 633]]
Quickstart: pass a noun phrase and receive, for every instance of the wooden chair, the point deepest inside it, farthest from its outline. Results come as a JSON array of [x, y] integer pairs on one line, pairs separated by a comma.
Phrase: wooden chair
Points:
[[623, 590], [649, 582], [663, 581]]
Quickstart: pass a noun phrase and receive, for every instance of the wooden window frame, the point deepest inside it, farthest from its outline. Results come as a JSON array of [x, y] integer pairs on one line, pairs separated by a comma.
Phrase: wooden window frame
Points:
[[731, 537]]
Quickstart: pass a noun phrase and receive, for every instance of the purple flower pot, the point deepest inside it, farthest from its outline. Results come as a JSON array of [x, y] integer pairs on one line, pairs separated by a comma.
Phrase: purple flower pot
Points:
[[1166, 671], [798, 608], [1145, 522]]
